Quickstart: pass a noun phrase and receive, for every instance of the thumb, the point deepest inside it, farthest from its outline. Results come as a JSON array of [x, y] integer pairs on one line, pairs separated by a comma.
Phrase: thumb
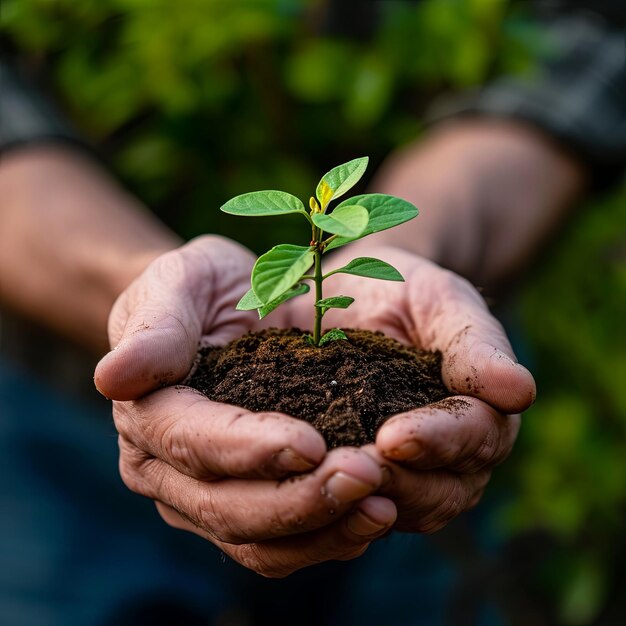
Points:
[[478, 359], [156, 325], [154, 329], [487, 369]]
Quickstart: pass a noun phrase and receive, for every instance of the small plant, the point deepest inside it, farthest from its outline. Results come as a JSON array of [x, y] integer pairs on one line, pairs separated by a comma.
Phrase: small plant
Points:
[[278, 274]]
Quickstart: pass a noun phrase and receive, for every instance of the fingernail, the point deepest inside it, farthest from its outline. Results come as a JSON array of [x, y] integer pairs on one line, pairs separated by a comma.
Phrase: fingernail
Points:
[[409, 451], [361, 524], [345, 488], [289, 460]]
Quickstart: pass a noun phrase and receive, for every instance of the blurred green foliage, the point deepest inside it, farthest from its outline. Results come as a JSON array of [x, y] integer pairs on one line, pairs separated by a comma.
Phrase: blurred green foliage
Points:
[[197, 101], [571, 465]]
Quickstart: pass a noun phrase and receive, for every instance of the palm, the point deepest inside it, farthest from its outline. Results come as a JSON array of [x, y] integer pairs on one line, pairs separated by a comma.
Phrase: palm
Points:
[[453, 447]]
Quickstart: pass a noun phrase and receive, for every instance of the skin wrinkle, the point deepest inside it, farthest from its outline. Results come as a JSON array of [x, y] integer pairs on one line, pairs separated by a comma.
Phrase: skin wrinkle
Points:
[[257, 558], [184, 291], [279, 557], [236, 283], [298, 505], [443, 305], [215, 523], [172, 429], [452, 501], [135, 469], [301, 499], [430, 427], [227, 429], [183, 451]]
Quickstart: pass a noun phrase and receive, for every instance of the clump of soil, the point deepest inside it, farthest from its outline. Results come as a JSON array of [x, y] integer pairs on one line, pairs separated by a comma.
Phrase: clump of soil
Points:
[[346, 389]]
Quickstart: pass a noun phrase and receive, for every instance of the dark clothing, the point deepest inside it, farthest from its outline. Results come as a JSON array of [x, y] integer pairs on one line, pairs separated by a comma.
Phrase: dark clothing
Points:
[[578, 96]]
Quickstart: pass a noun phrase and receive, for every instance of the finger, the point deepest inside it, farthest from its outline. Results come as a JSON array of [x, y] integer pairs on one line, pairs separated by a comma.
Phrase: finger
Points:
[[156, 325], [244, 511], [477, 357], [276, 558], [459, 433], [428, 500], [205, 439]]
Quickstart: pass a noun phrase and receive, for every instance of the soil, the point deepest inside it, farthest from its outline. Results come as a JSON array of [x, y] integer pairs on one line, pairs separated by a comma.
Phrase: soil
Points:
[[346, 389]]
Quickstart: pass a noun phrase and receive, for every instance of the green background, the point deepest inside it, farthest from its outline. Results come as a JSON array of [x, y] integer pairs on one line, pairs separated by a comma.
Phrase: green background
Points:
[[194, 102]]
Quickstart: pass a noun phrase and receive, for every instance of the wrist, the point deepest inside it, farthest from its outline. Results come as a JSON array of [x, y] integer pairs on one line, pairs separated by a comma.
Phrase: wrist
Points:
[[489, 192]]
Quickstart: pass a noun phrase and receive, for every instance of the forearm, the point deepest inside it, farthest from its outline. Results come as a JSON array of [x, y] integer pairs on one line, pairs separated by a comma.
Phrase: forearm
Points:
[[489, 192], [70, 241]]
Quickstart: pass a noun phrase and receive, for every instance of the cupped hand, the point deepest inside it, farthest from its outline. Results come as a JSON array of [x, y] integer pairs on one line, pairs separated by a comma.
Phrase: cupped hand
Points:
[[220, 471], [439, 457]]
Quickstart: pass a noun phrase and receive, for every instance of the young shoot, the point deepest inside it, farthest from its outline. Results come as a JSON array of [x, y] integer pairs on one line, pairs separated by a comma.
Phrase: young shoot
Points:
[[283, 272]]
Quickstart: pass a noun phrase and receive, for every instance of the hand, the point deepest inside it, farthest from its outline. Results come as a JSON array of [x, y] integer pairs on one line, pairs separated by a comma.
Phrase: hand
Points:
[[218, 470], [439, 457]]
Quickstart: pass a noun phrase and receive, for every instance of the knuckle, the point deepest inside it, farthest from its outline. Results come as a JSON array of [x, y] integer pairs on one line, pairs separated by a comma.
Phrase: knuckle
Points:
[[207, 516], [489, 448], [132, 477], [175, 442], [122, 418], [257, 559], [139, 471], [453, 502]]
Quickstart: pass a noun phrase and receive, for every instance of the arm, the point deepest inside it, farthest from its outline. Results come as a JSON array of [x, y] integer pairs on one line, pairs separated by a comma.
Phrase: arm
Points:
[[490, 193], [70, 240], [495, 180]]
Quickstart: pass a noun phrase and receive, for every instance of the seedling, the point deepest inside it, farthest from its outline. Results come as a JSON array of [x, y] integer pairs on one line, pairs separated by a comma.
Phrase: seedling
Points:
[[279, 275]]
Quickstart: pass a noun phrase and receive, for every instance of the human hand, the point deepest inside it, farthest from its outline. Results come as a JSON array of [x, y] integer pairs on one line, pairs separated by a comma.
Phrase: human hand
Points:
[[218, 470], [439, 457]]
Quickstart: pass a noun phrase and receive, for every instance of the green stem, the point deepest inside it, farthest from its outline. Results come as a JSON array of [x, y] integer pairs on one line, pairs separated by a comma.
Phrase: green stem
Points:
[[319, 313]]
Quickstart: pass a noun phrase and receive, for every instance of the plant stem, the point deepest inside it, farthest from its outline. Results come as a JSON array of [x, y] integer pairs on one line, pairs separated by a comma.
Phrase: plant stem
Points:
[[317, 329]]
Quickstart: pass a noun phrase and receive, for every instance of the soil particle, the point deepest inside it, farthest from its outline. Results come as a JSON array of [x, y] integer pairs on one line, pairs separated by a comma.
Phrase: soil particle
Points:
[[346, 389]]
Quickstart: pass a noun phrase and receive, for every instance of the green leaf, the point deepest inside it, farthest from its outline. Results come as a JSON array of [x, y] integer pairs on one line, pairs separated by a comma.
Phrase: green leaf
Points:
[[384, 212], [298, 290], [341, 178], [280, 268], [370, 267], [336, 302], [349, 220], [333, 335], [258, 203], [249, 302]]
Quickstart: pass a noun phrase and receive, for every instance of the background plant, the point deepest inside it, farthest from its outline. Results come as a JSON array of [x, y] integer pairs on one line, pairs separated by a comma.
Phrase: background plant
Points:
[[220, 96], [278, 274]]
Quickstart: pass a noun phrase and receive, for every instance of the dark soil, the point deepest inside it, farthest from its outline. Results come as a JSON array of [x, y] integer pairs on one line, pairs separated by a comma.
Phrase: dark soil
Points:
[[346, 389]]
